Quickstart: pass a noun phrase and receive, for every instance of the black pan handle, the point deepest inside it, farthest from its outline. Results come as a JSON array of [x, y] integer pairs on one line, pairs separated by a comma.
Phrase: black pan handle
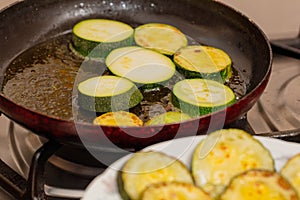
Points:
[[287, 46]]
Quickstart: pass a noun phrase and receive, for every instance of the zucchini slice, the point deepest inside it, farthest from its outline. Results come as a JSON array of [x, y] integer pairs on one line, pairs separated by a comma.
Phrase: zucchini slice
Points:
[[204, 62], [174, 191], [198, 97], [97, 37], [259, 184], [168, 118], [162, 38], [146, 168], [224, 154], [119, 118], [108, 93], [291, 171], [140, 65]]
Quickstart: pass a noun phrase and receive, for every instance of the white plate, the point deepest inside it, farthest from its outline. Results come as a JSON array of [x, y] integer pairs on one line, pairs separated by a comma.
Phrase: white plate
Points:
[[104, 187]]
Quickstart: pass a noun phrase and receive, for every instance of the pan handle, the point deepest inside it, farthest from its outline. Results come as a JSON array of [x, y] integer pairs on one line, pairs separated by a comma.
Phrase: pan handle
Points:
[[287, 46]]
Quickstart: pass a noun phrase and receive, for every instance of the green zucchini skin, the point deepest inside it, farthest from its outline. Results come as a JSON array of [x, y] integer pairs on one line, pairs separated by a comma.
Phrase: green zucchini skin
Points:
[[95, 38], [100, 50], [121, 189], [198, 110], [109, 104], [217, 76], [195, 111], [108, 94]]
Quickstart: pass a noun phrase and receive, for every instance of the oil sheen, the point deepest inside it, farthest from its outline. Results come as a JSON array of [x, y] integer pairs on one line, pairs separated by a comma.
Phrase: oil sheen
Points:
[[44, 78]]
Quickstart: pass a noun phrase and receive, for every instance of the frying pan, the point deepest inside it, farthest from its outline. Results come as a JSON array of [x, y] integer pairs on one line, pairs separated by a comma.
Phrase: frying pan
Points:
[[28, 23]]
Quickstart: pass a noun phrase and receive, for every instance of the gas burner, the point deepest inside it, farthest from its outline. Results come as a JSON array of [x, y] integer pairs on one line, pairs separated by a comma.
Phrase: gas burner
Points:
[[278, 109]]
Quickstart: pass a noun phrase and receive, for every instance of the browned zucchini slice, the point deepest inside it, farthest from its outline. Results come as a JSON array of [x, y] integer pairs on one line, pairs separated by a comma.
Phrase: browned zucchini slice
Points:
[[146, 168], [224, 154], [259, 184], [174, 191], [162, 38], [120, 118]]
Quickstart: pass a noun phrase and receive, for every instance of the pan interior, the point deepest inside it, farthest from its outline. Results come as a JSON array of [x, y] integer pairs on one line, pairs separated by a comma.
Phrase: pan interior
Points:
[[44, 78]]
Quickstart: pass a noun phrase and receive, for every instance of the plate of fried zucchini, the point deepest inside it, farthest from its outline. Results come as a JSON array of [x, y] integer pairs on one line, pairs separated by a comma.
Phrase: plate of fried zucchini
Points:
[[225, 164]]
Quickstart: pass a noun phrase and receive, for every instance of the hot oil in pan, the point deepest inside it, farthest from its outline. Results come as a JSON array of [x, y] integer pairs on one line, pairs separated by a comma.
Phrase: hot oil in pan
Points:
[[43, 78]]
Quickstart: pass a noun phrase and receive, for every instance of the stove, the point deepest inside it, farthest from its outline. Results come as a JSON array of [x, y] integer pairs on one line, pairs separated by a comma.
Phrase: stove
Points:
[[32, 167]]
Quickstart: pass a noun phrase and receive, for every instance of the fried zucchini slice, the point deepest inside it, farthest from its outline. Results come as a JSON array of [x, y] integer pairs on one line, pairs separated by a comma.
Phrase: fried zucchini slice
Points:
[[146, 168], [163, 38], [95, 38], [120, 118], [198, 97], [174, 191], [203, 62], [291, 171], [259, 184], [108, 93], [167, 118], [140, 65], [224, 154]]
